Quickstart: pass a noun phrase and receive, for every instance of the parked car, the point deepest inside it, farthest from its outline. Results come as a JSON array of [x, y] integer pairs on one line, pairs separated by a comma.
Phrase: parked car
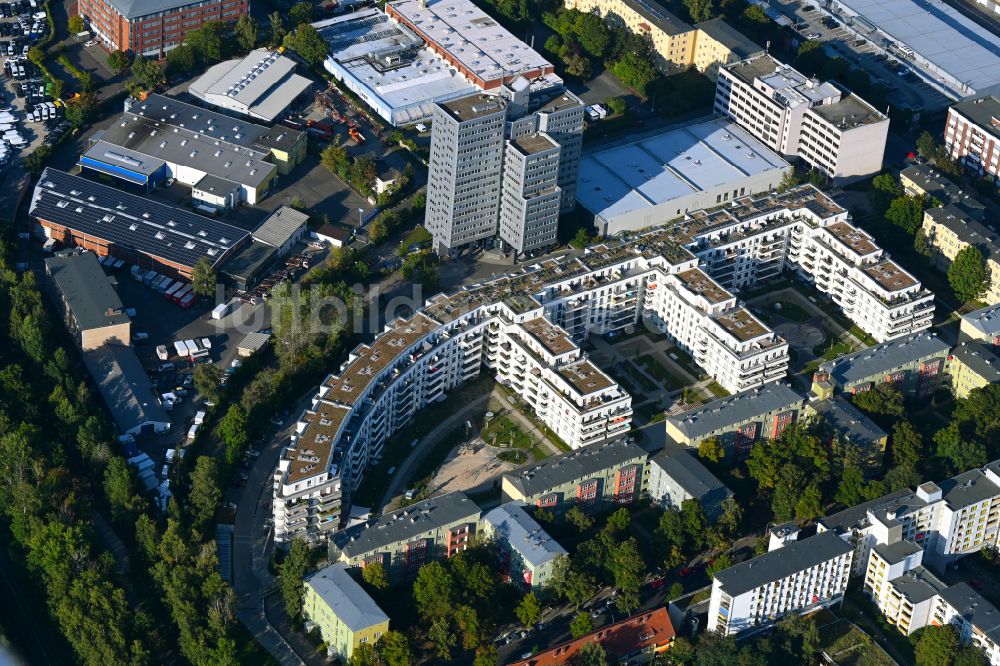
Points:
[[813, 35]]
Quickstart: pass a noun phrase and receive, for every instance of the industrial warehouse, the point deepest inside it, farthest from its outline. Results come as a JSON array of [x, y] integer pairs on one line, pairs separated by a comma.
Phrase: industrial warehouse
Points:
[[226, 161], [80, 212]]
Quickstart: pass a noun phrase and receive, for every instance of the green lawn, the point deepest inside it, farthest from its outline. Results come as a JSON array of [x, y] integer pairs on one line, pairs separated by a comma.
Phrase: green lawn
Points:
[[418, 235], [832, 349], [717, 390], [502, 431], [657, 370], [683, 359]]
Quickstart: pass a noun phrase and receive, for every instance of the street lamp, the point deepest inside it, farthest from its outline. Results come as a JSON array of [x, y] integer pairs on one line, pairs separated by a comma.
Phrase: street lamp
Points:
[[361, 212]]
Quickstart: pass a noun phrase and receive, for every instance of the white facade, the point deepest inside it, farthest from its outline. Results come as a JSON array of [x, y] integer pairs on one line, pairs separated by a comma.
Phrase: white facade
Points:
[[841, 136], [529, 209], [796, 577]]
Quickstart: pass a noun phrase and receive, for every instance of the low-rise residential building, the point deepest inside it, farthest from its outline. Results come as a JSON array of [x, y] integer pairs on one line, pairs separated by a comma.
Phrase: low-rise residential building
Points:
[[838, 134], [718, 44], [406, 539], [647, 633], [926, 181], [973, 364], [346, 616], [675, 476], [845, 423], [982, 324], [796, 577], [972, 135], [91, 309], [738, 421], [595, 476], [528, 554], [949, 230], [914, 364]]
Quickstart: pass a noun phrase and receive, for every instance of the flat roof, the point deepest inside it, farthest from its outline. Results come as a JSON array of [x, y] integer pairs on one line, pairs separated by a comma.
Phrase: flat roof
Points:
[[888, 275], [550, 336], [471, 37], [579, 464], [738, 43], [671, 165], [585, 377], [967, 488], [280, 226], [250, 260], [860, 242], [511, 522], [698, 282], [215, 185], [125, 387], [850, 112], [474, 106], [262, 83], [893, 553], [405, 524], [792, 87], [983, 111], [918, 584], [123, 158], [782, 562], [83, 284], [938, 33], [857, 515], [347, 600], [741, 324], [313, 451], [729, 411], [534, 143], [130, 221], [368, 361], [687, 472], [973, 607], [885, 356]]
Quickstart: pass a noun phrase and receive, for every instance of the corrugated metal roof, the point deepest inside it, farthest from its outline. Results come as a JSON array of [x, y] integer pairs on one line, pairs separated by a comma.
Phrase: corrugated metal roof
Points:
[[280, 226]]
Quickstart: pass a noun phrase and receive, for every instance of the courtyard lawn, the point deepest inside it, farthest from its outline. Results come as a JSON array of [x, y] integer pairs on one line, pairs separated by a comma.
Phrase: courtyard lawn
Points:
[[659, 372], [832, 349], [717, 390], [417, 236], [683, 359], [502, 431]]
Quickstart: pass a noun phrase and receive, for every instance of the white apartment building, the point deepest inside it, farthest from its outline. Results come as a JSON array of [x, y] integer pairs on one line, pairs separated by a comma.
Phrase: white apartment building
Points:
[[794, 577], [842, 136]]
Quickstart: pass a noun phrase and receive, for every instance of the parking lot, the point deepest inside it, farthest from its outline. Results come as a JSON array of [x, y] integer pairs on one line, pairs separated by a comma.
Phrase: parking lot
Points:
[[908, 89]]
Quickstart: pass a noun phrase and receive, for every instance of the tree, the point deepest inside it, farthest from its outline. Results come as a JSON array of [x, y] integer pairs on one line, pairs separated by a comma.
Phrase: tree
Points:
[[147, 73], [529, 611], [701, 10], [56, 88], [203, 277], [233, 432], [578, 519], [851, 489], [374, 574], [421, 268], [711, 449], [935, 646], [886, 182], [441, 635], [581, 625], [721, 563], [485, 656], [181, 60], [906, 212], [209, 42], [618, 521], [246, 32], [290, 575], [883, 399], [810, 57], [694, 521], [635, 71], [278, 31], [82, 109], [582, 239], [968, 275], [301, 12], [364, 654], [377, 231], [789, 180], [617, 105], [208, 381], [394, 648], [810, 504], [118, 61], [309, 44], [205, 492], [76, 24], [120, 489], [434, 591], [592, 654], [921, 245], [592, 33], [926, 145], [730, 515], [755, 14]]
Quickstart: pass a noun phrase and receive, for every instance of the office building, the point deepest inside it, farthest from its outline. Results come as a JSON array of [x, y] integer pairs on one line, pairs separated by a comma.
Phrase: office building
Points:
[[596, 476], [79, 212], [676, 476], [238, 160], [973, 364], [839, 134], [738, 421], [504, 164], [528, 555], [151, 28], [676, 45], [415, 54], [262, 85], [972, 135], [648, 632], [794, 577], [664, 177], [406, 539], [346, 616], [948, 50], [914, 364], [91, 309], [949, 230]]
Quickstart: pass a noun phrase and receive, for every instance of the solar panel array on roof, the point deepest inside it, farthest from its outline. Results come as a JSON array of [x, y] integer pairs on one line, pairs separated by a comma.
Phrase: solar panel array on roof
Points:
[[131, 222]]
